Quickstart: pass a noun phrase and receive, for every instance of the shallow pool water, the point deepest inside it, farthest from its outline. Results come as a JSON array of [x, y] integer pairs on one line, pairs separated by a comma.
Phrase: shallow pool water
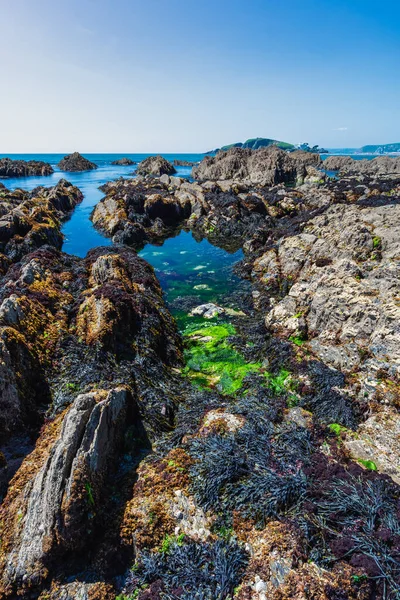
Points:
[[194, 272], [80, 235], [190, 272]]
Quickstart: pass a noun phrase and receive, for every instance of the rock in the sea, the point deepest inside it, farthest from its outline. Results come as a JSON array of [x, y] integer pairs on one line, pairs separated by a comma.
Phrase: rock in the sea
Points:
[[183, 163], [29, 220], [21, 168], [265, 166], [155, 165], [123, 162], [76, 162]]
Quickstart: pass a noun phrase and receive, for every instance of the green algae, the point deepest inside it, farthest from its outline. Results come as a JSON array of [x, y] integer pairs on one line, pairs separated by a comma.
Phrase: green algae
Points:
[[212, 361], [278, 383]]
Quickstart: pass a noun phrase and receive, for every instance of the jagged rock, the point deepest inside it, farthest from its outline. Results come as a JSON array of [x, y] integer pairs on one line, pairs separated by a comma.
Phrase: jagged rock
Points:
[[343, 285], [155, 165], [21, 168], [123, 162], [381, 165], [76, 162], [29, 220], [266, 166], [57, 503]]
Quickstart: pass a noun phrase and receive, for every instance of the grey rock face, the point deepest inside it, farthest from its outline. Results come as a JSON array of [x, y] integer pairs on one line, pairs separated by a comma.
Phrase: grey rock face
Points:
[[382, 165], [266, 166], [57, 502], [155, 165], [344, 273]]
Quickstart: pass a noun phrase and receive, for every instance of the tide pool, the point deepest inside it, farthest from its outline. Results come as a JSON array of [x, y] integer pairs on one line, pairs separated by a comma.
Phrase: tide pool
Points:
[[80, 235]]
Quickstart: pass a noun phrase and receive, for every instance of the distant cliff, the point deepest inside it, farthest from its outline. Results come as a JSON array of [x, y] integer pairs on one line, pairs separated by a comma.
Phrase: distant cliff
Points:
[[381, 149]]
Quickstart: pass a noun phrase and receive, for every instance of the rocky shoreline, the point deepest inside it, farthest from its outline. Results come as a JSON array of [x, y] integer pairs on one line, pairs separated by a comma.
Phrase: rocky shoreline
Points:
[[263, 444], [21, 168]]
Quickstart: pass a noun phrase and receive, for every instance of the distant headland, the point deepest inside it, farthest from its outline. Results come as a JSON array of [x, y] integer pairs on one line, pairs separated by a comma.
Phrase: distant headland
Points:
[[260, 142]]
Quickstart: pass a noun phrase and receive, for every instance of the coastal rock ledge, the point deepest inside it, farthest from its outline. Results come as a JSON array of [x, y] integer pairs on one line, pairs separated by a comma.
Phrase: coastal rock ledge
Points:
[[23, 168]]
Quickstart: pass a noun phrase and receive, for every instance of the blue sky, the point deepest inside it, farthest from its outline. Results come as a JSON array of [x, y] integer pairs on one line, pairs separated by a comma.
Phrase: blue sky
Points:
[[188, 76]]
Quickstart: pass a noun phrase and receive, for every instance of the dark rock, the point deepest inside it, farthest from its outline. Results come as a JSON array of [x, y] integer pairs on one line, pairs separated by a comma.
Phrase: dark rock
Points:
[[76, 162], [123, 162], [155, 165], [183, 163], [22, 168], [29, 220]]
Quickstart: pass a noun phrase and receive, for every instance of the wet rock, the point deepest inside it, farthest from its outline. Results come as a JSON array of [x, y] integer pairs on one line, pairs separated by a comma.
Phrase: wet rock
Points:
[[76, 162], [22, 168], [155, 165], [183, 163], [123, 162], [29, 220], [210, 310]]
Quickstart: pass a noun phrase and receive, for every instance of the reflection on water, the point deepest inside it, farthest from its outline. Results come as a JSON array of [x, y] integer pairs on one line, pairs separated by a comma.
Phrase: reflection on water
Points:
[[192, 272]]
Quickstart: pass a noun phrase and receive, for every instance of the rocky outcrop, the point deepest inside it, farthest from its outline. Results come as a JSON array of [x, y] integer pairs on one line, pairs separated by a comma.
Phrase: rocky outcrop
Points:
[[155, 165], [380, 166], [140, 210], [90, 340], [76, 162], [265, 167], [337, 163], [29, 220], [21, 168], [183, 163], [58, 502], [123, 162]]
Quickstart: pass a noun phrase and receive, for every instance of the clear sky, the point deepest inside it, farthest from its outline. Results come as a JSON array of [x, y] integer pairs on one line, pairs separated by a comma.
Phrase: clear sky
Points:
[[188, 76]]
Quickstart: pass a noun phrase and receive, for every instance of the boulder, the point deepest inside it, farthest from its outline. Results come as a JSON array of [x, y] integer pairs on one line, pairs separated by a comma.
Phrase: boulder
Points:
[[76, 162], [155, 165]]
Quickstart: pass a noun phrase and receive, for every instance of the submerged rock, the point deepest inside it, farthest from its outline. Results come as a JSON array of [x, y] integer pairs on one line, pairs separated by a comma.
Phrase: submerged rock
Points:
[[155, 165], [76, 162], [22, 168]]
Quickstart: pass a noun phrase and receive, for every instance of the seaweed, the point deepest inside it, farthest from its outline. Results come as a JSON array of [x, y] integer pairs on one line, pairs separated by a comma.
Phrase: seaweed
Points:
[[212, 361], [193, 570], [361, 517]]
